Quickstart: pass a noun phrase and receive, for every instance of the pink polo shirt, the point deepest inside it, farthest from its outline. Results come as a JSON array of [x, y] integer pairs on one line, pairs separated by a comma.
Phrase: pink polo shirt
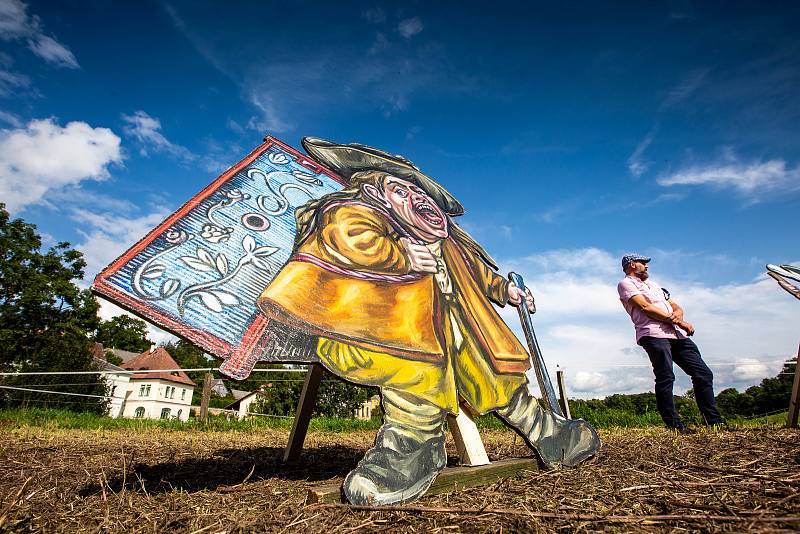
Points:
[[645, 326]]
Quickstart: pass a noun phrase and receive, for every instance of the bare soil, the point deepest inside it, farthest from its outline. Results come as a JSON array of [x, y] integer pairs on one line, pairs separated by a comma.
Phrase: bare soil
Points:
[[179, 481]]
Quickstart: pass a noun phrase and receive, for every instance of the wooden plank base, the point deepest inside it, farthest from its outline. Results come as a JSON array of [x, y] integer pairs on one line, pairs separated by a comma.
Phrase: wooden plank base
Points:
[[451, 479]]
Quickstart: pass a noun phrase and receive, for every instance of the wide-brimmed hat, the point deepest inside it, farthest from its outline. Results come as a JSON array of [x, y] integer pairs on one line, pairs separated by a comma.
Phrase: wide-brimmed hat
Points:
[[346, 160]]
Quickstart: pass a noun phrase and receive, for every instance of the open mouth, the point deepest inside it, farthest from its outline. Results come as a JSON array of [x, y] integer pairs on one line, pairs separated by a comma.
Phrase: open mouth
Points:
[[429, 213]]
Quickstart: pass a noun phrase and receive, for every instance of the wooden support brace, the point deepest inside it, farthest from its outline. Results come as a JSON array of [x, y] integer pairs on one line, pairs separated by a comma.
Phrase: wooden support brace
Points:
[[206, 396], [302, 416], [451, 479], [467, 438], [794, 400], [465, 433]]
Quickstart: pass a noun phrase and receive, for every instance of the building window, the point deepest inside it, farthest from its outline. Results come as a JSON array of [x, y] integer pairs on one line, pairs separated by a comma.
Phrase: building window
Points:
[[141, 390], [183, 394], [147, 390], [179, 414], [139, 413], [172, 393], [164, 413]]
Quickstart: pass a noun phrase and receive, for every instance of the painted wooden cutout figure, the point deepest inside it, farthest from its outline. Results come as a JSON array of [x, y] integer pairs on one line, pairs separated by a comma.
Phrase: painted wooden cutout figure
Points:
[[398, 296], [380, 286]]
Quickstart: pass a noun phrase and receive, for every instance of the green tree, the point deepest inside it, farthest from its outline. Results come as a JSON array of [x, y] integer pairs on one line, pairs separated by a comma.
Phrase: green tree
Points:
[[336, 398], [45, 320], [772, 395], [123, 332]]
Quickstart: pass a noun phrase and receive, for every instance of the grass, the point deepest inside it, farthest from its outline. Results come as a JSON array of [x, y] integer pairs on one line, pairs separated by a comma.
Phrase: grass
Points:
[[66, 419]]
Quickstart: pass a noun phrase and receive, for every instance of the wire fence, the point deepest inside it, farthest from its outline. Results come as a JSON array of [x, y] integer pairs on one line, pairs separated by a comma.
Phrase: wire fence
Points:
[[32, 387], [305, 369]]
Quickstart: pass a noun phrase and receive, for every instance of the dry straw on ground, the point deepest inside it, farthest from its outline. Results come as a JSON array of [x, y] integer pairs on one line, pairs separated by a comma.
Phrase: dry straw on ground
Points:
[[177, 481]]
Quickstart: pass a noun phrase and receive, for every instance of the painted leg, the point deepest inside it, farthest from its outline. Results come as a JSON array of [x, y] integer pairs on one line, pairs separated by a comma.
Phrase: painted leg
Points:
[[408, 454], [556, 440]]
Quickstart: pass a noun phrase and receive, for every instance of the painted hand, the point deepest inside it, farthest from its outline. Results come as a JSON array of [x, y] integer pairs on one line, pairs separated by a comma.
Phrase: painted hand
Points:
[[515, 296], [421, 259]]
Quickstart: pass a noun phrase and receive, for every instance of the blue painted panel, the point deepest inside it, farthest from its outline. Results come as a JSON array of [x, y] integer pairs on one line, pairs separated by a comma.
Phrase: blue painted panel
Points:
[[208, 268]]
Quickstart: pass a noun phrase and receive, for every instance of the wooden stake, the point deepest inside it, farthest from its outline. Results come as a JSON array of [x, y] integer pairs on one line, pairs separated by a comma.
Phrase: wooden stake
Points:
[[302, 416], [467, 438], [206, 397], [562, 394], [794, 400]]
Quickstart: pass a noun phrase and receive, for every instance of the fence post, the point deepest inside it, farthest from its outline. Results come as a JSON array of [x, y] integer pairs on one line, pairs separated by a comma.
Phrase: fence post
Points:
[[206, 396], [794, 400], [562, 394]]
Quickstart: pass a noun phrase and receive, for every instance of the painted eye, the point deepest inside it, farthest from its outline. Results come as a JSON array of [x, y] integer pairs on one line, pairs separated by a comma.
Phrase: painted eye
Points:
[[255, 221]]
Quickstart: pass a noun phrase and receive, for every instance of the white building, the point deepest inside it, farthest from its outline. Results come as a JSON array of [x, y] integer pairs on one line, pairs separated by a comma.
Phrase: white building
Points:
[[157, 395], [243, 401], [117, 383]]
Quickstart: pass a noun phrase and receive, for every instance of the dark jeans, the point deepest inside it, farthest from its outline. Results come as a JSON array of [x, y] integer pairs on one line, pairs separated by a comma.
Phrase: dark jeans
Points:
[[684, 352]]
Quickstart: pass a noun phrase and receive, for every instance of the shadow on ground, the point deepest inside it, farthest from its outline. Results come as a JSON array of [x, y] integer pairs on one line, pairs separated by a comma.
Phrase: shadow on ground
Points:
[[230, 467]]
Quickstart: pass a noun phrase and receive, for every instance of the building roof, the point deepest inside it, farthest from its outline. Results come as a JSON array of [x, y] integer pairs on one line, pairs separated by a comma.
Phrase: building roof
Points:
[[106, 366], [157, 358], [124, 355], [218, 383], [238, 394], [244, 395]]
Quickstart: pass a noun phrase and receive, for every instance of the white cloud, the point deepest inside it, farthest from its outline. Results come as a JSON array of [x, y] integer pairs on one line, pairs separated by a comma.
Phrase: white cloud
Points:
[[15, 23], [270, 120], [750, 369], [52, 51], [688, 86], [744, 330], [748, 179], [637, 165], [408, 28], [12, 81], [10, 118], [147, 130], [107, 235], [374, 15], [44, 156]]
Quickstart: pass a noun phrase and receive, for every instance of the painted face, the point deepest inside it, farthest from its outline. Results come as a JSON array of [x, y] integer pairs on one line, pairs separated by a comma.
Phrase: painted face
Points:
[[423, 217]]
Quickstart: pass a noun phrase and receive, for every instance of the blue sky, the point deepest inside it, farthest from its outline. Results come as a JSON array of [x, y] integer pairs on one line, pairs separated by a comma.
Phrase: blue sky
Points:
[[572, 135]]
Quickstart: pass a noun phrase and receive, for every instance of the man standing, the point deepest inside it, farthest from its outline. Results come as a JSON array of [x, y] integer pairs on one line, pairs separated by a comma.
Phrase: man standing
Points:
[[662, 332]]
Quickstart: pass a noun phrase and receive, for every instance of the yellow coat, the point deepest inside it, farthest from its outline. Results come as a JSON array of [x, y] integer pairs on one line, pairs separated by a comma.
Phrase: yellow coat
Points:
[[350, 281]]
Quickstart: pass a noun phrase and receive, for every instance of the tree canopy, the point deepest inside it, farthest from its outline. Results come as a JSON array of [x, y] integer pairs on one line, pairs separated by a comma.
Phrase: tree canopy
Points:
[[45, 319], [124, 332]]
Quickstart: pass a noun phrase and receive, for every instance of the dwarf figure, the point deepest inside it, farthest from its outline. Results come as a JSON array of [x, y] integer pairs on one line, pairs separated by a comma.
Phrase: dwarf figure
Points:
[[399, 297]]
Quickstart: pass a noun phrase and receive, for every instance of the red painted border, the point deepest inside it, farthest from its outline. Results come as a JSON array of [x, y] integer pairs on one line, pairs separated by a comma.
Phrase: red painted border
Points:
[[208, 342]]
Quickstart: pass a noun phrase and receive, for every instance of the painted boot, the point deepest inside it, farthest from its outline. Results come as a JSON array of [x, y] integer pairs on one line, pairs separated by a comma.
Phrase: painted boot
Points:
[[407, 456], [557, 440]]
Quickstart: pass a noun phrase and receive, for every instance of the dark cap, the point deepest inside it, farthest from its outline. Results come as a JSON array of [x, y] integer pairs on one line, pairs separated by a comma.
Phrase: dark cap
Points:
[[630, 258]]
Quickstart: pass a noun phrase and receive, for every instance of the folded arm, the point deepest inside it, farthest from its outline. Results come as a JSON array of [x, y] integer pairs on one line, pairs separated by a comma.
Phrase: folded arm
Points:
[[659, 314]]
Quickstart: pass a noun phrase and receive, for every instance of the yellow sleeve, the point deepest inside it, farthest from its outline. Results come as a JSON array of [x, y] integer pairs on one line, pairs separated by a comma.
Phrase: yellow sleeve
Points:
[[496, 286], [356, 236]]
